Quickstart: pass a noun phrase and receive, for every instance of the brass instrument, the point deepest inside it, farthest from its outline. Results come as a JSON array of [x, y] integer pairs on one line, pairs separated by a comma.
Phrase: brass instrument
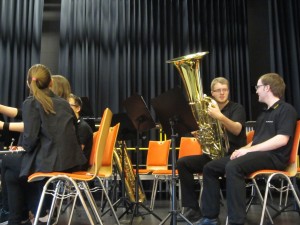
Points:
[[212, 137], [129, 173]]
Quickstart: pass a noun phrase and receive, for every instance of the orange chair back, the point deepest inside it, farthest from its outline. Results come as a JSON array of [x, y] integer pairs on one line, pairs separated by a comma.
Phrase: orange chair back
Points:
[[99, 142], [110, 145], [158, 154], [189, 146], [292, 167], [294, 153], [250, 135]]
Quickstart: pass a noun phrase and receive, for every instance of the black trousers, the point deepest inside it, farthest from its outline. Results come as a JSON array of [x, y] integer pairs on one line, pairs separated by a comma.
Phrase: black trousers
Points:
[[235, 171], [22, 196], [187, 166]]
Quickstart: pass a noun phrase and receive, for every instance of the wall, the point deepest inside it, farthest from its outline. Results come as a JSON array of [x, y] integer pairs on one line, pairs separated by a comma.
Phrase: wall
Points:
[[50, 35], [259, 61]]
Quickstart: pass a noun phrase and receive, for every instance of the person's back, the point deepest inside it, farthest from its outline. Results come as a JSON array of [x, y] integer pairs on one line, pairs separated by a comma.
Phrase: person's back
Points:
[[50, 139]]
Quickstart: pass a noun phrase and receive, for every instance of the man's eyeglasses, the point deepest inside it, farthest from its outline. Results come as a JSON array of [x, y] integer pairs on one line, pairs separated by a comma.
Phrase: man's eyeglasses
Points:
[[257, 86], [221, 90]]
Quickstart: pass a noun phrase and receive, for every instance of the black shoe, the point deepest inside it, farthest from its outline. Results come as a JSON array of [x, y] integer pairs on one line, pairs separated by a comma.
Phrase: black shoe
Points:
[[190, 214], [206, 221], [26, 222], [3, 217]]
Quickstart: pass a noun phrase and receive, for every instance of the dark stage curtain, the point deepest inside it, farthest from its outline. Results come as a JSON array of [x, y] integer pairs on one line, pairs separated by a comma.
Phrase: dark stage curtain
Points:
[[20, 42], [285, 45], [112, 49]]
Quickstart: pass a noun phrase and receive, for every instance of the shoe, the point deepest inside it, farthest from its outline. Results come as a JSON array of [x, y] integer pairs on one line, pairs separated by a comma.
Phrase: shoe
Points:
[[3, 217], [206, 221], [26, 222], [190, 214]]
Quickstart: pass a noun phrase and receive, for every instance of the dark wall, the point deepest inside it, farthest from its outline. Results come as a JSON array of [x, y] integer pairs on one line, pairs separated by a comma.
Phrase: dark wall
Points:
[[259, 49], [258, 28], [50, 35]]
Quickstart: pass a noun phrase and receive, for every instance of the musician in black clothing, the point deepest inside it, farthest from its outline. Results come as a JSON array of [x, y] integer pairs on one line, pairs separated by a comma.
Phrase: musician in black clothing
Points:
[[47, 147], [270, 149], [233, 117], [84, 131]]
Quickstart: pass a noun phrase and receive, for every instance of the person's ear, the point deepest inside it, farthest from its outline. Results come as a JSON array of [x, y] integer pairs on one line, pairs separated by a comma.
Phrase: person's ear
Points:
[[51, 83]]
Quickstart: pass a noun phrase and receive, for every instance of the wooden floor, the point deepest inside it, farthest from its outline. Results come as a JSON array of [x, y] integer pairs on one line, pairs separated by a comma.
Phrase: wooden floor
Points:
[[162, 208]]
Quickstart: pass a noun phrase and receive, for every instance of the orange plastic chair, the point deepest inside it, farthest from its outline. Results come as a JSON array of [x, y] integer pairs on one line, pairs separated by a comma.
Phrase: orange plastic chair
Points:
[[157, 156], [250, 135], [287, 174], [188, 146], [106, 168], [77, 181]]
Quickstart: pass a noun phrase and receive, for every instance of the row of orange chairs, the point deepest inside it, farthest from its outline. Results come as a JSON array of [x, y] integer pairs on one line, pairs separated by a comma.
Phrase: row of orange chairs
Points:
[[157, 161], [75, 184]]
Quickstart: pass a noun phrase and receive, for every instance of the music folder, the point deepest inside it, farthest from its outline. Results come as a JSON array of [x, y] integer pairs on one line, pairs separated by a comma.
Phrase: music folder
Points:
[[172, 105], [138, 112]]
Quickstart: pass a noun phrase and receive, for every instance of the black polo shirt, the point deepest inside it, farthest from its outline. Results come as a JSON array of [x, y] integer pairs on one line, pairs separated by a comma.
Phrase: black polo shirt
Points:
[[235, 112], [279, 119], [85, 135]]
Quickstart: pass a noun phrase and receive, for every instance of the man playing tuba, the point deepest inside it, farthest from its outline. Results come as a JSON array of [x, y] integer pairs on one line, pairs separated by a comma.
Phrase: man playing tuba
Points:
[[233, 117]]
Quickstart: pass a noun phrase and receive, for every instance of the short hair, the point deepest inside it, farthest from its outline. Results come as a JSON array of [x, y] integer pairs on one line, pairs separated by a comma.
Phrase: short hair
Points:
[[221, 80], [77, 100], [276, 83]]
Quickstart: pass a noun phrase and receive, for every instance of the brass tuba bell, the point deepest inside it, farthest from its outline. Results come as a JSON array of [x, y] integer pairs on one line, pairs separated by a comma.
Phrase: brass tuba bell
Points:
[[211, 135]]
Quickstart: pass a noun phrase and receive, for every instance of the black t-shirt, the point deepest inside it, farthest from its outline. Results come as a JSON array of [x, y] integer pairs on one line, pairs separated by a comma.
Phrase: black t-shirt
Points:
[[85, 135], [235, 112], [279, 119]]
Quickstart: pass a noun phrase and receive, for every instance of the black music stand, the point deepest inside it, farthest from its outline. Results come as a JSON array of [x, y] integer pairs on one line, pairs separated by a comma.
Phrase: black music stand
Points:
[[174, 114], [126, 132], [142, 120]]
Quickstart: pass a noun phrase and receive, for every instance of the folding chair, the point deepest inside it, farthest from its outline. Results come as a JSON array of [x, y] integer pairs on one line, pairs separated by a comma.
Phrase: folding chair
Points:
[[287, 174], [75, 184], [157, 156], [188, 146], [106, 168]]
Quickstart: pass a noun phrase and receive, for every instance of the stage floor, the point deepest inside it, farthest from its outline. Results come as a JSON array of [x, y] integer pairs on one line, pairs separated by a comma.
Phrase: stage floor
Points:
[[162, 208]]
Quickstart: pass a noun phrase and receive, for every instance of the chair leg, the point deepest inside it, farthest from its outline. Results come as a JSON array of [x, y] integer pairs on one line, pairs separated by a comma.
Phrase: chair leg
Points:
[[108, 200], [154, 190], [60, 186], [65, 180], [263, 202], [90, 199], [201, 190]]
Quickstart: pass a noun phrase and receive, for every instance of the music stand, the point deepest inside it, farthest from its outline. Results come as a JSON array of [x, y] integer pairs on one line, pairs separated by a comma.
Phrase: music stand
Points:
[[174, 114], [87, 113], [126, 132], [142, 120]]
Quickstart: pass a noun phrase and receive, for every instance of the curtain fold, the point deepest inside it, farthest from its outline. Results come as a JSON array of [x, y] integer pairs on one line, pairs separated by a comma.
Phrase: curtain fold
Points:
[[112, 49], [20, 43], [284, 17]]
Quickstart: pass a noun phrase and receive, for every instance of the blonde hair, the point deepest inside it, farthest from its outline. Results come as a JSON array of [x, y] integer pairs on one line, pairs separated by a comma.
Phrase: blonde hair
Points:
[[39, 79], [61, 86], [221, 80]]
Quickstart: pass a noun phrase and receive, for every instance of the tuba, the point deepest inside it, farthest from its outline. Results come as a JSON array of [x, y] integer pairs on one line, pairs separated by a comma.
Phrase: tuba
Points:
[[211, 135], [129, 173]]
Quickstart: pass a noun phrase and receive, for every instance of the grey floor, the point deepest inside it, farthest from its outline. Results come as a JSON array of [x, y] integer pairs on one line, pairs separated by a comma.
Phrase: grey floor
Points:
[[162, 209]]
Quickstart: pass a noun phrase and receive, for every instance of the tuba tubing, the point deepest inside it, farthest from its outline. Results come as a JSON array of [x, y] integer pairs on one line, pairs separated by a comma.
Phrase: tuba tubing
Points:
[[129, 173], [211, 134]]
